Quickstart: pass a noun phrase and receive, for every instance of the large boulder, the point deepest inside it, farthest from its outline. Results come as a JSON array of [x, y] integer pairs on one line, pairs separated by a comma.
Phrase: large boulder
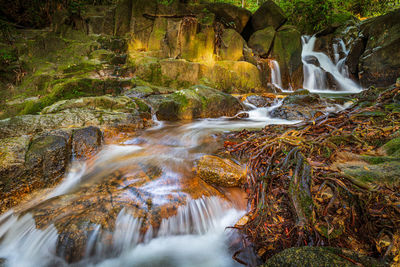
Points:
[[261, 41], [234, 77], [287, 50], [268, 14], [375, 55], [48, 155], [227, 76], [230, 15], [195, 102], [35, 162], [232, 44], [104, 111], [220, 172]]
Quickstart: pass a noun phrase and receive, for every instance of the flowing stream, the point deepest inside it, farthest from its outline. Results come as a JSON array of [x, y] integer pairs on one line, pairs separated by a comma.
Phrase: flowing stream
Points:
[[104, 210]]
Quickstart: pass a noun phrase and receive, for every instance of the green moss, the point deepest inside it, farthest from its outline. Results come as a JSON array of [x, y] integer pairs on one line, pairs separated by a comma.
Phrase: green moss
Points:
[[143, 107], [392, 147]]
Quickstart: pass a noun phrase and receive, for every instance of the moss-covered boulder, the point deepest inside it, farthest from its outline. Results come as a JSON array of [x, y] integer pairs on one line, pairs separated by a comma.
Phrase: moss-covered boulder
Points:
[[374, 58], [221, 172], [106, 102], [228, 76], [234, 77], [73, 113], [47, 156], [230, 15], [261, 41], [268, 14], [195, 102], [319, 256], [287, 51], [232, 44]]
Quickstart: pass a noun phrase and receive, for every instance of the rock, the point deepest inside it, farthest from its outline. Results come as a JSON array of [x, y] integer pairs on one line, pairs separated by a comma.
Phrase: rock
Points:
[[311, 60], [232, 45], [181, 73], [230, 15], [268, 14], [287, 51], [318, 256], [227, 76], [78, 117], [86, 142], [48, 156], [375, 56], [12, 159], [195, 102], [260, 101], [234, 77], [100, 19], [106, 102], [220, 172], [261, 41], [300, 105]]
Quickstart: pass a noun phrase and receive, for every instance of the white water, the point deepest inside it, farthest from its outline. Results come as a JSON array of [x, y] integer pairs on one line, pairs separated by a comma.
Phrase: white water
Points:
[[315, 77], [195, 236]]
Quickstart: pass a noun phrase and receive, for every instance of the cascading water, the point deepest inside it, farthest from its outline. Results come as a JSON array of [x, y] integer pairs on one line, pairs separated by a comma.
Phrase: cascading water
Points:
[[276, 78], [317, 65], [105, 208]]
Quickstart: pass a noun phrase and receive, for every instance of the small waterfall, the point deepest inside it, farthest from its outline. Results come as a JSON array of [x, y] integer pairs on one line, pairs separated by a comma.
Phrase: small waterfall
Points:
[[276, 78], [317, 66]]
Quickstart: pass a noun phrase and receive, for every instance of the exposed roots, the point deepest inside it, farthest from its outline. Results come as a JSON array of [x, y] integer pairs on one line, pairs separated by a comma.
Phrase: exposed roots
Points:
[[297, 198]]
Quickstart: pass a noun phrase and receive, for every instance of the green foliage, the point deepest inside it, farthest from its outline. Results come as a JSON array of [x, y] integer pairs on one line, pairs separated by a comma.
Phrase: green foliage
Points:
[[310, 16]]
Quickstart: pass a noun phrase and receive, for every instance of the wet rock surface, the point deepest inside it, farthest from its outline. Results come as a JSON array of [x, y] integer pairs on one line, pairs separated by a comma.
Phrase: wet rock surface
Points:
[[221, 172]]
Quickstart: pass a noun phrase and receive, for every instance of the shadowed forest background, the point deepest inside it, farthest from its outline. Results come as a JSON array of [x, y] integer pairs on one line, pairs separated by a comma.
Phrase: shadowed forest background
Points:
[[308, 15]]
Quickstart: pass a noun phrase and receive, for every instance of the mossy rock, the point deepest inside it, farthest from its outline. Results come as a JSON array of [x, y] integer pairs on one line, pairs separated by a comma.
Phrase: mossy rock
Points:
[[195, 102], [319, 256], [47, 157], [181, 73], [261, 41], [232, 45], [235, 77], [120, 104], [72, 88], [287, 51], [230, 15], [268, 14], [102, 55]]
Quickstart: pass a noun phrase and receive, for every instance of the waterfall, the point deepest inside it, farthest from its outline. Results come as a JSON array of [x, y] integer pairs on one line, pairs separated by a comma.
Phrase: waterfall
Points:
[[276, 78], [317, 66]]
